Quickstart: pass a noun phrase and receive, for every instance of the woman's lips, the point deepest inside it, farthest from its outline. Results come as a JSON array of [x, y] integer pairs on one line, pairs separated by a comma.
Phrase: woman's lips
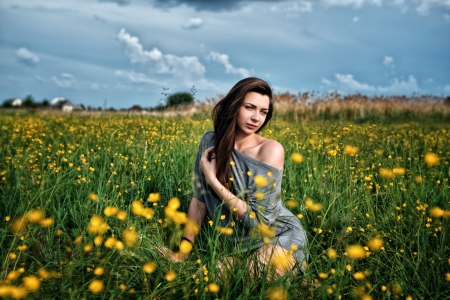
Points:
[[251, 126]]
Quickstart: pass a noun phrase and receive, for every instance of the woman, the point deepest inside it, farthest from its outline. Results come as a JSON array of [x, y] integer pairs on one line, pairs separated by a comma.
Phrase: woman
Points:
[[238, 180]]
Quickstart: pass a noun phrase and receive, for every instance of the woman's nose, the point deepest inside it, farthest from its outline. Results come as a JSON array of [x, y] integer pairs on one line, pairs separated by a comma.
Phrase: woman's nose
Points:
[[255, 116]]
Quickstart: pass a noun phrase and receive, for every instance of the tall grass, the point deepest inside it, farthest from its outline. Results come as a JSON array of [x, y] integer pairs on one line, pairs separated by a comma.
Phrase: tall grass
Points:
[[71, 167]]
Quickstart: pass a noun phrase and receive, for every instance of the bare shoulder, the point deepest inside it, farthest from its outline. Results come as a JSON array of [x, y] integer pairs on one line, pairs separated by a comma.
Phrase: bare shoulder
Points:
[[272, 153]]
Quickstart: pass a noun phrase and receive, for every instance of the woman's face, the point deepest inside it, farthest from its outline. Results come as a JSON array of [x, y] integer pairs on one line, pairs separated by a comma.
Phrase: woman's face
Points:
[[253, 112]]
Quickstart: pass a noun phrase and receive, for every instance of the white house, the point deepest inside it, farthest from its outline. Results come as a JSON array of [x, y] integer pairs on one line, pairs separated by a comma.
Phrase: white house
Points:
[[59, 102]]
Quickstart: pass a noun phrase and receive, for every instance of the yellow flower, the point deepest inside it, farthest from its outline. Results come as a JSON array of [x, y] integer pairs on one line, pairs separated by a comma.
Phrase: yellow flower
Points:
[[99, 271], [88, 247], [252, 215], [118, 245], [35, 216], [12, 256], [96, 286], [18, 225], [153, 197], [399, 171], [266, 230], [171, 275], [358, 275], [260, 181], [350, 150], [225, 230], [277, 293], [46, 222], [185, 247], [97, 225], [282, 260], [137, 208], [447, 277], [213, 288], [191, 227], [437, 212], [174, 203], [291, 203], [122, 215], [7, 218], [259, 195], [383, 288], [78, 240], [332, 253], [110, 242], [149, 267], [22, 247], [419, 179], [98, 240], [110, 211], [297, 158], [323, 275], [32, 283], [93, 197], [130, 237], [375, 244], [386, 173], [249, 173], [356, 251], [431, 159], [232, 163], [315, 207]]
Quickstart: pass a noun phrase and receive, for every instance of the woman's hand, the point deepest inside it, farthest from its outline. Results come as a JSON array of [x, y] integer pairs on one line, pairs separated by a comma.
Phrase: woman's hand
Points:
[[166, 253], [208, 166]]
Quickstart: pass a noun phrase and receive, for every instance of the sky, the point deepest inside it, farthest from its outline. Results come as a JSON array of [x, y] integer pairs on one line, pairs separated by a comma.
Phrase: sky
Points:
[[120, 53]]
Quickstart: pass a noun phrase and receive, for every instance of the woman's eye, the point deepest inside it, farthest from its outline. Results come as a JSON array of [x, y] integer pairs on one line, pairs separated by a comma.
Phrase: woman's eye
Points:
[[264, 112], [249, 107]]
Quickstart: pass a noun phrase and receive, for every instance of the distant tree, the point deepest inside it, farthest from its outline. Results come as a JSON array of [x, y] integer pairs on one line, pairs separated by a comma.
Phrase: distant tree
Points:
[[7, 104], [180, 99], [447, 100], [45, 102], [28, 101]]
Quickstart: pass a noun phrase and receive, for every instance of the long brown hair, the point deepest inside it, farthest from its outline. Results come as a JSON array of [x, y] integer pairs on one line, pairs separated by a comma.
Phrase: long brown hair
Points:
[[224, 116]]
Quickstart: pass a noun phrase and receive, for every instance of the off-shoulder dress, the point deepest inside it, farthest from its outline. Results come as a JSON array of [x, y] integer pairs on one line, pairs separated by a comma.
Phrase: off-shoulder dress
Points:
[[269, 213]]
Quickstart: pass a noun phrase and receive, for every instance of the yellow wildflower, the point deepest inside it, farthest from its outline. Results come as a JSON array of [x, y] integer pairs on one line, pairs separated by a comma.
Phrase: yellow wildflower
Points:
[[356, 251], [350, 150], [260, 181], [431, 159], [149, 267], [96, 286], [297, 158], [171, 275]]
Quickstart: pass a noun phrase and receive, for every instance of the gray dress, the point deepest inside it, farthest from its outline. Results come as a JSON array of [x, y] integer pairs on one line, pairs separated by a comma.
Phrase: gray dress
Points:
[[269, 212]]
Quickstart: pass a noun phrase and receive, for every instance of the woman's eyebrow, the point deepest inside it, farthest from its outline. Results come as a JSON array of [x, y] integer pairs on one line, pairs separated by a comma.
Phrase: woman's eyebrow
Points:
[[254, 106]]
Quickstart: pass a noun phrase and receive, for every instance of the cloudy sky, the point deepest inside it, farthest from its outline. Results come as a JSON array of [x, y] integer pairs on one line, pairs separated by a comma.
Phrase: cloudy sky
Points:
[[125, 52]]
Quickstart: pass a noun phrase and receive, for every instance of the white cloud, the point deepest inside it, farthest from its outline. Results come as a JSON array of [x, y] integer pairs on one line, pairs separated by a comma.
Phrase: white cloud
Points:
[[447, 88], [224, 59], [136, 77], [94, 86], [27, 57], [401, 86], [355, 19], [447, 18], [354, 3], [180, 66], [65, 80], [426, 5], [388, 61], [193, 23], [348, 83]]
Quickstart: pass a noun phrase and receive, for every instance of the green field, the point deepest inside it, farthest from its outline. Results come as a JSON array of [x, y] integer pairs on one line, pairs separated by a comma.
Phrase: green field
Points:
[[68, 228]]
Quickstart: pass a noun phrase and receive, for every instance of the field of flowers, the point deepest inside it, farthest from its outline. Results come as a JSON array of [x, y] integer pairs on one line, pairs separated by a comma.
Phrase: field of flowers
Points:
[[86, 201]]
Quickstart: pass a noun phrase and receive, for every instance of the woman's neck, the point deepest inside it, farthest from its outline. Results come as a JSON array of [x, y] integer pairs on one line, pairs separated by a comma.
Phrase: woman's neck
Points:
[[243, 141]]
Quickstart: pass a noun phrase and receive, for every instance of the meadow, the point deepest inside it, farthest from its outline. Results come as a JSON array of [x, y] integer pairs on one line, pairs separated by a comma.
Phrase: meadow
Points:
[[87, 199]]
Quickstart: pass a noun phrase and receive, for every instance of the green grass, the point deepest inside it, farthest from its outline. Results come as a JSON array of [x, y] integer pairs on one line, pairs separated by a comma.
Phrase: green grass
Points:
[[55, 162]]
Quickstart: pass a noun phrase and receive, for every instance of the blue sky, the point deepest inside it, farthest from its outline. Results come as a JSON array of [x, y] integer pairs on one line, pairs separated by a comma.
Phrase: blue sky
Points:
[[126, 52]]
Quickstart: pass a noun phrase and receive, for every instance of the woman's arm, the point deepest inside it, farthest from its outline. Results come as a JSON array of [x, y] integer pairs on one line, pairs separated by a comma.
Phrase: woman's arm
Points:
[[234, 204], [196, 213]]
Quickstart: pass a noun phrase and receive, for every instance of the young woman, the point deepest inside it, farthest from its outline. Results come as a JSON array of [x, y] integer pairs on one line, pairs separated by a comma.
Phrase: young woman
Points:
[[238, 180]]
